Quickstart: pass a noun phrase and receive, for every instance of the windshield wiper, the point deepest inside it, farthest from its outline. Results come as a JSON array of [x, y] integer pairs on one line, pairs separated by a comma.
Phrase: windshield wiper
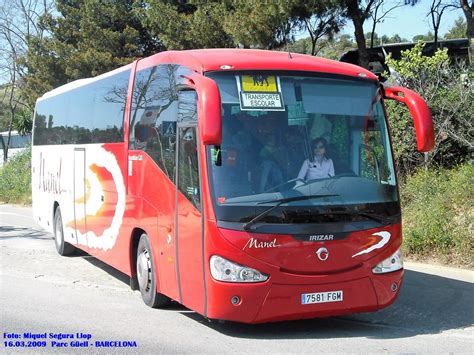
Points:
[[278, 202]]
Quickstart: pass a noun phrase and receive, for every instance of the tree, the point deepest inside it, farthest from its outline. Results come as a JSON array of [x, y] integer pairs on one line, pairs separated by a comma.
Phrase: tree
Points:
[[18, 22], [259, 24], [249, 24], [458, 30], [468, 13], [185, 25], [425, 38], [437, 9], [378, 15], [396, 38], [448, 91], [321, 19], [358, 12], [86, 38]]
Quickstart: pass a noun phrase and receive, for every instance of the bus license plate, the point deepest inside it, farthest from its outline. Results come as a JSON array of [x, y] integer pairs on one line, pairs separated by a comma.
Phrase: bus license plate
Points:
[[322, 297]]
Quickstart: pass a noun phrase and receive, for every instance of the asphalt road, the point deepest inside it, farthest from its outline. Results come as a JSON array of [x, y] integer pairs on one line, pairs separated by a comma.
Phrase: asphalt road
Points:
[[43, 292]]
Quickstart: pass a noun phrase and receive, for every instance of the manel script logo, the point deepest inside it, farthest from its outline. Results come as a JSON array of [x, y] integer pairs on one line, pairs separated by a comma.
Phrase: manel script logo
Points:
[[254, 243]]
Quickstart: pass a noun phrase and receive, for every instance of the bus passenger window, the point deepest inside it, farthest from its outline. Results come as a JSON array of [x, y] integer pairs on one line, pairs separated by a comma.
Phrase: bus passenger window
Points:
[[154, 115]]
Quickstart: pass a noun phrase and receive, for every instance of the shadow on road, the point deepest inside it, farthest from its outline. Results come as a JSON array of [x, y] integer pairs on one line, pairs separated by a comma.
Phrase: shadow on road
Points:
[[103, 266], [11, 232], [427, 305]]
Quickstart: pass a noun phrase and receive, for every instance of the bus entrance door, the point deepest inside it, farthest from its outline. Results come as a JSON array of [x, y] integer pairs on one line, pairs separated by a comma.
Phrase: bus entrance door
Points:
[[80, 195], [190, 228]]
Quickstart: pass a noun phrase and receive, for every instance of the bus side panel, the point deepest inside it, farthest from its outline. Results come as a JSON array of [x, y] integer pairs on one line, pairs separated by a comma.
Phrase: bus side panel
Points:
[[52, 181], [151, 186], [101, 231], [190, 247]]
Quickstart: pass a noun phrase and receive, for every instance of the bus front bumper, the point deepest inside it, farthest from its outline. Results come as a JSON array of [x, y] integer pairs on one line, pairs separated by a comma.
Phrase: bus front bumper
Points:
[[269, 302]]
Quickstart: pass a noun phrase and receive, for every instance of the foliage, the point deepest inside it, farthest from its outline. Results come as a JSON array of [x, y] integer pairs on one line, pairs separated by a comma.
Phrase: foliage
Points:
[[427, 37], [331, 48], [438, 215], [396, 38], [194, 24], [184, 25], [258, 24], [23, 121], [458, 30], [320, 19], [448, 91], [87, 38], [15, 179]]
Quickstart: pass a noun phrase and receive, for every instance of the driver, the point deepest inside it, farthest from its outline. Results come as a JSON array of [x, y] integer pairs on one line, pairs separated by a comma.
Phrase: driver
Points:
[[321, 167]]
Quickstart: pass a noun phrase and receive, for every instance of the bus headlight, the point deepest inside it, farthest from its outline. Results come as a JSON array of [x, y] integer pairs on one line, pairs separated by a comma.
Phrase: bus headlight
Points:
[[227, 271], [393, 263]]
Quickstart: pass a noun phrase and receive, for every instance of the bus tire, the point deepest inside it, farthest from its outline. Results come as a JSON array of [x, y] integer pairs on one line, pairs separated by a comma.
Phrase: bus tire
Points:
[[146, 275], [62, 247]]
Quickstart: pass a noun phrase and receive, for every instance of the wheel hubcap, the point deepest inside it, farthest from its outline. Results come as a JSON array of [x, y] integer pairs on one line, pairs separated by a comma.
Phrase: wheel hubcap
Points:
[[144, 270]]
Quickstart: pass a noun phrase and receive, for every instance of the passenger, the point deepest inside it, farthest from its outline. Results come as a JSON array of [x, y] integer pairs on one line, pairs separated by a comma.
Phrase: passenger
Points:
[[271, 155], [294, 151], [321, 167]]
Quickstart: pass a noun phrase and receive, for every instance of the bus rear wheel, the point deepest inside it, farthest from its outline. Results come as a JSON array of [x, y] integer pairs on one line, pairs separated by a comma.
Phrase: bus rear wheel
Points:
[[62, 247], [146, 275]]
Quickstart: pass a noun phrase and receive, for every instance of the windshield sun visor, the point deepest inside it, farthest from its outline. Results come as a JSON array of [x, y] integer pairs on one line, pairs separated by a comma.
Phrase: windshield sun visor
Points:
[[336, 97]]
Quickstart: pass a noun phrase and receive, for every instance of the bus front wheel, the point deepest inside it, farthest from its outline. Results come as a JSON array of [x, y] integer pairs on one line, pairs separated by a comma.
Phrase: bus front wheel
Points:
[[62, 247], [146, 275]]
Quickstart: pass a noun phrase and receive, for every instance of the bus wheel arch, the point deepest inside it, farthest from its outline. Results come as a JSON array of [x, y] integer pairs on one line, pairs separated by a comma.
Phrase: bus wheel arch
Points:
[[135, 238]]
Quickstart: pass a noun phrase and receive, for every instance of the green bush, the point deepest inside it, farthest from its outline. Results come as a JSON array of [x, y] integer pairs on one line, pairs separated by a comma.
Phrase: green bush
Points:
[[438, 215], [15, 179], [448, 89]]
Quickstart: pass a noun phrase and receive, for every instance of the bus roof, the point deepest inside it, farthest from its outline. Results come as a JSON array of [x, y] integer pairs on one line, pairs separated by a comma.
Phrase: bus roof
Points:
[[205, 60], [81, 82]]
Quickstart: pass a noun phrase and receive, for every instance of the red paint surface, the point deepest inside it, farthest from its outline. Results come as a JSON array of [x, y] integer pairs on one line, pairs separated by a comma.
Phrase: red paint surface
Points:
[[425, 138], [279, 298]]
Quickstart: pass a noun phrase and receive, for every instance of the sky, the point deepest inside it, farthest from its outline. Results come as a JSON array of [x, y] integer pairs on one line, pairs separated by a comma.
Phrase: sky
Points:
[[409, 21]]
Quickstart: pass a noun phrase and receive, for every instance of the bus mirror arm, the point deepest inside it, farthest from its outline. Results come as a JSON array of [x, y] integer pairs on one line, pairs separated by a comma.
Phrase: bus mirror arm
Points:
[[209, 108], [420, 113]]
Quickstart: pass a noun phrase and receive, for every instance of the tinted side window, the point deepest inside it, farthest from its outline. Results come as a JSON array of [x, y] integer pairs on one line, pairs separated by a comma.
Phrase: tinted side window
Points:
[[92, 113], [154, 114], [51, 120], [187, 107], [188, 169], [109, 106], [79, 130]]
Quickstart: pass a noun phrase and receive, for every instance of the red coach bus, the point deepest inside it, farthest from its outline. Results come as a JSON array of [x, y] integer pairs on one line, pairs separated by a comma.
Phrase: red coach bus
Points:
[[248, 185]]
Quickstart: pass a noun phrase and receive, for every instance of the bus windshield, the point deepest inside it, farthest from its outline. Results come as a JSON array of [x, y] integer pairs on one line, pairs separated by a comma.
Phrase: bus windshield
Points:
[[287, 136]]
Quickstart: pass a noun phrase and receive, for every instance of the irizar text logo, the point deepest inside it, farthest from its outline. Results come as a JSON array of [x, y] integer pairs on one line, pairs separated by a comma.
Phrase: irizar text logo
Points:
[[321, 237]]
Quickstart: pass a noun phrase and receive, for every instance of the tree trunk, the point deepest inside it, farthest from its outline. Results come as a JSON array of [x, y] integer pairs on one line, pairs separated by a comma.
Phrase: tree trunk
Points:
[[470, 27], [358, 21], [10, 128], [4, 147], [372, 35]]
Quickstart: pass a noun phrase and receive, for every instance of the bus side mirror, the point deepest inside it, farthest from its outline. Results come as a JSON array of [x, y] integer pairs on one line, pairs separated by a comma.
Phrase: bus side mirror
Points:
[[420, 113], [209, 109]]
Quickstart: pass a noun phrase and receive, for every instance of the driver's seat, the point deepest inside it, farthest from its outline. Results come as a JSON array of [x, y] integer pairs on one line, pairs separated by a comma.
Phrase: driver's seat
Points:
[[270, 175]]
